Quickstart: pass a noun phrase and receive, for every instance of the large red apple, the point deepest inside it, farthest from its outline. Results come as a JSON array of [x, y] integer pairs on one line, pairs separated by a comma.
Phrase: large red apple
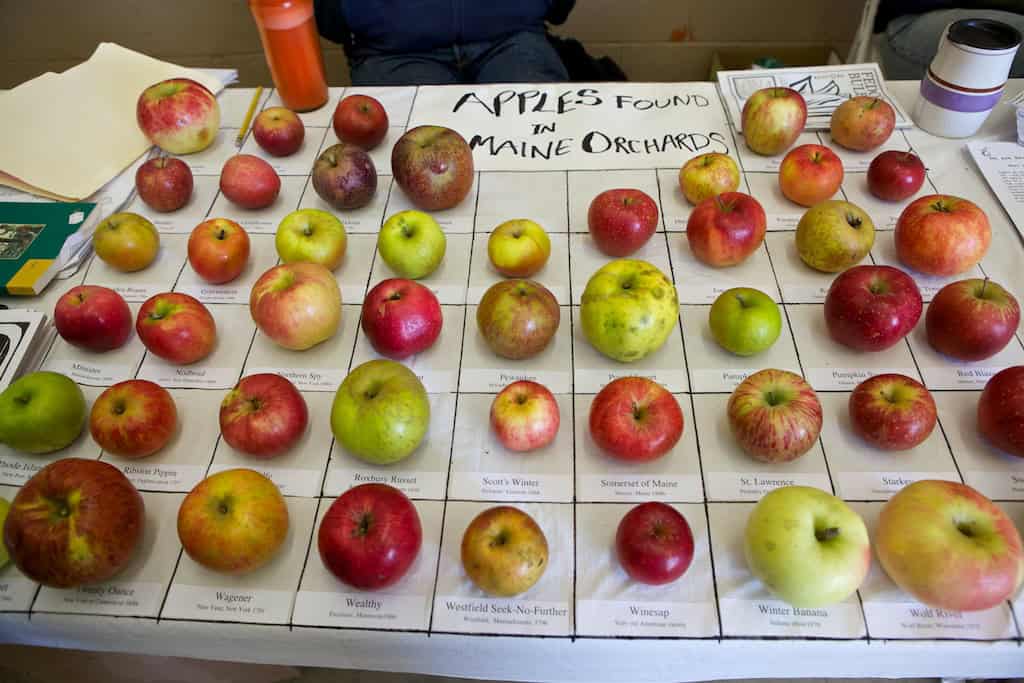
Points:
[[370, 536], [773, 119], [971, 319], [810, 174], [401, 318], [518, 318], [622, 220], [862, 123], [164, 183], [133, 419], [942, 235], [726, 229], [263, 415], [178, 115], [176, 327], [360, 120], [297, 305], [635, 419], [218, 250], [249, 182], [93, 317], [75, 522], [895, 176], [871, 308], [525, 416], [654, 543], [892, 412], [434, 166], [1001, 410], [278, 131], [775, 416]]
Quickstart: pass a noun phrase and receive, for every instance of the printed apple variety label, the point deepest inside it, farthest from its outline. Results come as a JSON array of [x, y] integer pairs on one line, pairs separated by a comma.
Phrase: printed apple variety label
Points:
[[137, 598], [230, 293], [592, 380], [187, 376], [510, 487], [17, 468], [751, 486], [634, 618], [753, 617], [493, 380], [91, 373], [16, 591], [719, 380], [207, 603], [881, 485], [997, 485], [413, 483], [666, 486], [306, 379], [291, 481], [914, 620], [362, 610], [838, 379], [163, 477], [955, 376], [487, 615]]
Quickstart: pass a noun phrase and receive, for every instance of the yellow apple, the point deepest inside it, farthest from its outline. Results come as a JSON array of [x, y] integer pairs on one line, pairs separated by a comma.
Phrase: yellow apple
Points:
[[126, 241], [518, 248], [504, 552]]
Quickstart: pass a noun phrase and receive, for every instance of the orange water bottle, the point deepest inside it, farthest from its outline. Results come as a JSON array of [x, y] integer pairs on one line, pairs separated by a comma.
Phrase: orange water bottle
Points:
[[292, 46]]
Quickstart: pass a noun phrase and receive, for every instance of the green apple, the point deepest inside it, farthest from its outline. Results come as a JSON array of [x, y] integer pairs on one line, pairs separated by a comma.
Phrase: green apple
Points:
[[412, 244], [5, 557], [380, 412], [311, 235], [807, 546], [629, 308], [42, 412], [745, 321]]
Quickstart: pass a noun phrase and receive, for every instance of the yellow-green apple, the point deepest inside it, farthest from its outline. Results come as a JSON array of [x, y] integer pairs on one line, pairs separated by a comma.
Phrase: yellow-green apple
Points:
[[504, 551], [744, 321], [178, 115], [401, 318], [707, 175], [871, 308], [862, 123], [297, 305], [635, 419], [628, 309], [942, 235], [76, 521], [344, 176], [176, 327], [892, 412], [810, 174], [278, 131], [370, 536], [5, 507], [834, 235], [218, 250], [311, 235], [380, 412], [895, 176], [1001, 410], [518, 248], [41, 412], [772, 119], [774, 415], [263, 415], [807, 546], [517, 318], [412, 244], [126, 241], [249, 182], [525, 416], [164, 183], [233, 522], [972, 319], [93, 317], [726, 229], [133, 419], [360, 120], [621, 221], [949, 546], [654, 543], [434, 166]]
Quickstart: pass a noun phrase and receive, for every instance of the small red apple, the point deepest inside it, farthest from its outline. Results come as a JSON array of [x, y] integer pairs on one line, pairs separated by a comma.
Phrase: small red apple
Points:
[[93, 317], [133, 419], [249, 182], [810, 174], [971, 319], [401, 318], [525, 416], [726, 229], [279, 131], [1001, 410], [164, 183], [895, 176], [218, 250], [176, 327], [621, 221], [654, 543], [892, 412], [263, 415], [360, 120], [635, 419], [871, 308]]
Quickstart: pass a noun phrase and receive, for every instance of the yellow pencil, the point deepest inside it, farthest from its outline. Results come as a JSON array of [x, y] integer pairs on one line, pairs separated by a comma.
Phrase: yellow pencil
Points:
[[248, 116]]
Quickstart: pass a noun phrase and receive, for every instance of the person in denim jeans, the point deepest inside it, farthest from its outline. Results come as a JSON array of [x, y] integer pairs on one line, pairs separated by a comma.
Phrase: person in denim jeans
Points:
[[435, 42]]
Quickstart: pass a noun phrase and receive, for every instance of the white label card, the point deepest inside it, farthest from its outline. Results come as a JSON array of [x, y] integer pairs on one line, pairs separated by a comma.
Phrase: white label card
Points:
[[163, 477], [750, 486], [838, 379], [997, 485], [16, 592], [614, 487], [414, 484], [485, 615], [188, 377], [362, 610], [207, 603], [914, 620], [90, 373], [494, 486], [320, 379], [777, 618], [141, 598], [881, 485], [626, 618]]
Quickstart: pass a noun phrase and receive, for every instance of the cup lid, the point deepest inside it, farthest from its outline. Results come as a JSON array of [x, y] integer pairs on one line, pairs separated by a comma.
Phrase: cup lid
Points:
[[984, 34]]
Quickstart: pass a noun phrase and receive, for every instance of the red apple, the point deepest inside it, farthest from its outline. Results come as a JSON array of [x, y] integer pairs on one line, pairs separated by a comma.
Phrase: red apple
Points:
[[434, 166], [654, 543], [279, 131], [344, 176], [871, 308], [176, 327], [895, 176], [774, 415], [518, 318], [133, 419], [621, 221], [360, 120], [263, 415], [1001, 410], [218, 250], [773, 119], [942, 235], [635, 419], [164, 183], [972, 319], [370, 536], [401, 318], [525, 416], [726, 229], [249, 182], [297, 305], [810, 174], [75, 522], [862, 123], [178, 115], [93, 317], [892, 412]]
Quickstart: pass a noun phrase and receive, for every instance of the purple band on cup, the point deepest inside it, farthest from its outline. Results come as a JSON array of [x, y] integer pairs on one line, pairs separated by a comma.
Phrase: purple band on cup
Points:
[[957, 100]]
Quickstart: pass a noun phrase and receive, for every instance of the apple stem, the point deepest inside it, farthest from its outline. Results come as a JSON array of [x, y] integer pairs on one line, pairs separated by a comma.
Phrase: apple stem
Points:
[[826, 534], [984, 286], [364, 525]]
